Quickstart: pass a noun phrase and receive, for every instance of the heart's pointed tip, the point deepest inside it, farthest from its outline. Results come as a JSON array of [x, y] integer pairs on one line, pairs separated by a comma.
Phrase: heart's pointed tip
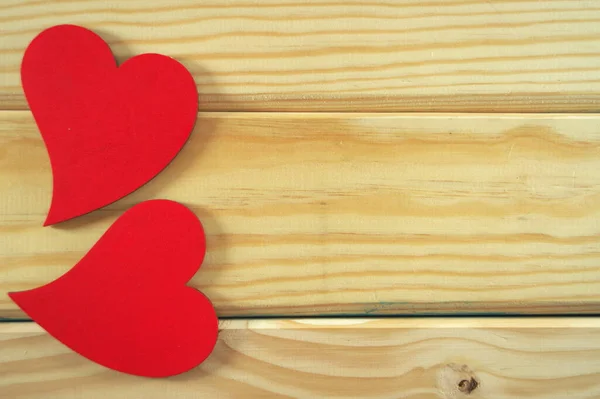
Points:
[[50, 220], [17, 297], [50, 217], [57, 216]]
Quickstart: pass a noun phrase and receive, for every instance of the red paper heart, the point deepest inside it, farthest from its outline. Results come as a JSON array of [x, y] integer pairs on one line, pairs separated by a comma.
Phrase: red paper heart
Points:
[[108, 130], [125, 305]]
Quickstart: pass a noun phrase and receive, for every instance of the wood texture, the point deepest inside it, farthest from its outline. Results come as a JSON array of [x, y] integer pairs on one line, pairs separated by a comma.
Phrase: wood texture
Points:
[[342, 358], [350, 213], [395, 55]]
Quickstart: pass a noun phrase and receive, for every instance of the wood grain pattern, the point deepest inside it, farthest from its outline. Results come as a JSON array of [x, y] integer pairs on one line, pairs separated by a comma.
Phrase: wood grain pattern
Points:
[[342, 358], [333, 55], [350, 213]]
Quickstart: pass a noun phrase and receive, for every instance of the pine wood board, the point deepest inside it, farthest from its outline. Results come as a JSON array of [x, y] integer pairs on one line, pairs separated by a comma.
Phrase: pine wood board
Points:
[[350, 55], [540, 358], [337, 214]]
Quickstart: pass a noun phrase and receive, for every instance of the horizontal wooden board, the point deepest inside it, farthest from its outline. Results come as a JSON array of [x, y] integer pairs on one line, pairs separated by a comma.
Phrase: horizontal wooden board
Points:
[[340, 358], [333, 55], [350, 213]]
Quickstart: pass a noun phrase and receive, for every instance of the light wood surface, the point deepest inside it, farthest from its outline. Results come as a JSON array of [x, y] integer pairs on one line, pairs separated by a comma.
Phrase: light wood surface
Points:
[[341, 358], [395, 55], [350, 213]]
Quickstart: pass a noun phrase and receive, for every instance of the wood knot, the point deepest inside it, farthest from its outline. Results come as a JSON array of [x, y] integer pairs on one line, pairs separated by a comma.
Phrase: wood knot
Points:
[[468, 386], [456, 381]]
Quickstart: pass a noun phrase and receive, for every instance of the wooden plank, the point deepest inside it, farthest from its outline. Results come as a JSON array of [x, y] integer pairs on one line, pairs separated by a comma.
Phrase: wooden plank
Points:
[[335, 358], [350, 213], [334, 55]]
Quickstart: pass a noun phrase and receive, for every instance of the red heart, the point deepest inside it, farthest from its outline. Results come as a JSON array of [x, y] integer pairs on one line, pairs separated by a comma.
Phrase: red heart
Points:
[[108, 130], [125, 304]]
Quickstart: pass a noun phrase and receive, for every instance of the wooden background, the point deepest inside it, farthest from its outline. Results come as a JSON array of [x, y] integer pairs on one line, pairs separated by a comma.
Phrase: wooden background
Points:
[[392, 358], [351, 213], [343, 55], [351, 158]]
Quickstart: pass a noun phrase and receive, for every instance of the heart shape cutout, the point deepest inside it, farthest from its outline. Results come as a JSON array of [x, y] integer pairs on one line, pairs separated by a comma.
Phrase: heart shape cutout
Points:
[[108, 130], [125, 304]]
